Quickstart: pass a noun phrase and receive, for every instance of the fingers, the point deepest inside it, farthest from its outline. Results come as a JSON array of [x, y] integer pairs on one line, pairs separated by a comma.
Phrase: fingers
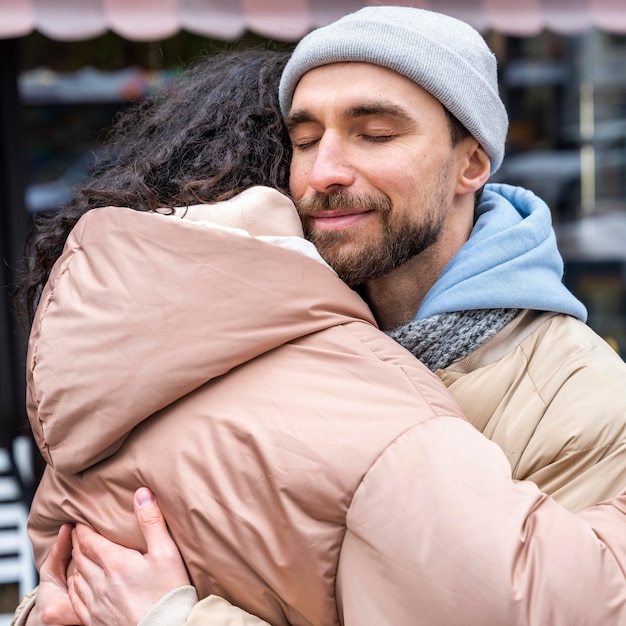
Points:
[[151, 522], [53, 604], [56, 563], [87, 543], [90, 545], [97, 563], [76, 598]]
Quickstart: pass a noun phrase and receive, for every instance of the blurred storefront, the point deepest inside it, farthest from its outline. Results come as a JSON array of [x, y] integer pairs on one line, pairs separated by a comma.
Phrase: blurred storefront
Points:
[[566, 96], [68, 66]]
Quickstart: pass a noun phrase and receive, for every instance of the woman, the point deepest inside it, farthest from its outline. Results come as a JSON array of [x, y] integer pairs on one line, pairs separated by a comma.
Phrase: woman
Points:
[[241, 381]]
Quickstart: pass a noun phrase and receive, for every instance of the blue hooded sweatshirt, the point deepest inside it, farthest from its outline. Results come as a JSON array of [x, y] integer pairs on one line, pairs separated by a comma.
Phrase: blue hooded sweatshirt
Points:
[[511, 260]]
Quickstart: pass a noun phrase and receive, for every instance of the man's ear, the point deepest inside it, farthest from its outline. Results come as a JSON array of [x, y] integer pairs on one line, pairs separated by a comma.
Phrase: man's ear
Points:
[[475, 168]]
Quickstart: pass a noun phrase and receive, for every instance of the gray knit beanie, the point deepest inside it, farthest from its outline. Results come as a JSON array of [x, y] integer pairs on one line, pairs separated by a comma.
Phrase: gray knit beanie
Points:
[[443, 55]]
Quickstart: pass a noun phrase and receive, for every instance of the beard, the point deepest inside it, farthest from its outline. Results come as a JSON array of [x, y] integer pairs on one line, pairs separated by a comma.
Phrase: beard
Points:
[[358, 261]]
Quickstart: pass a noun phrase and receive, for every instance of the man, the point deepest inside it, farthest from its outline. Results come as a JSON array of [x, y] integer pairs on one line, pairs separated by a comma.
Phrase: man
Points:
[[396, 125]]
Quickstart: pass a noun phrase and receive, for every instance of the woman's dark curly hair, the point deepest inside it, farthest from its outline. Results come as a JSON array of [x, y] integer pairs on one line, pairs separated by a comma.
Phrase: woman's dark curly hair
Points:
[[215, 132]]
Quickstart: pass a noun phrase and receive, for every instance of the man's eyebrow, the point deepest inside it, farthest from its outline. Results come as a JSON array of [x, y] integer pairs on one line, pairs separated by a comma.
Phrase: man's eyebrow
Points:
[[378, 109], [299, 116]]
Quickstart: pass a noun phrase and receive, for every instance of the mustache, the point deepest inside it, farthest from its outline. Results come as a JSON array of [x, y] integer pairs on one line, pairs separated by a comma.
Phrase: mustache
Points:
[[321, 202]]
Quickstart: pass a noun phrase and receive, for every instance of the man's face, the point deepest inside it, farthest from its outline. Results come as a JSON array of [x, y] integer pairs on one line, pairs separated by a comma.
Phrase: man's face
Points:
[[373, 171]]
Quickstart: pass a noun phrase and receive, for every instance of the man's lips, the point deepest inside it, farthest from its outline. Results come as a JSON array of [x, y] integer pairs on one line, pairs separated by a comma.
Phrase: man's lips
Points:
[[338, 218]]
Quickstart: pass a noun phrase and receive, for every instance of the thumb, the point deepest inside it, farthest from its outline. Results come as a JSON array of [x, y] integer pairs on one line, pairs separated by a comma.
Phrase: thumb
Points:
[[55, 565], [150, 520]]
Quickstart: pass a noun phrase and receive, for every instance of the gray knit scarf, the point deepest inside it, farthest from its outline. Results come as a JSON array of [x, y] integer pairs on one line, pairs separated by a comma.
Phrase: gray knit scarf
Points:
[[442, 339]]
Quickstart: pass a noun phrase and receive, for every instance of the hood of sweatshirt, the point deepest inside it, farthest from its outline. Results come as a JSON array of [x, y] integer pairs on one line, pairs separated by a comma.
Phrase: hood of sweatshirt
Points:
[[511, 260], [141, 309]]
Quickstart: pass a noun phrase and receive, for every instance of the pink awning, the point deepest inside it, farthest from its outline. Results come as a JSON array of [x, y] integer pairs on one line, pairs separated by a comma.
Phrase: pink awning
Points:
[[284, 20]]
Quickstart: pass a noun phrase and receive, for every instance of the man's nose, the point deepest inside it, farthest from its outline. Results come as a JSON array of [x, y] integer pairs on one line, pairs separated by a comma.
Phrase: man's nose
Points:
[[331, 168]]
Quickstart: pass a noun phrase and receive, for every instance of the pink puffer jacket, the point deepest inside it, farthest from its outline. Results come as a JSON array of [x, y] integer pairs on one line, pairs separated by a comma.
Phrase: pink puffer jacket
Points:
[[305, 462]]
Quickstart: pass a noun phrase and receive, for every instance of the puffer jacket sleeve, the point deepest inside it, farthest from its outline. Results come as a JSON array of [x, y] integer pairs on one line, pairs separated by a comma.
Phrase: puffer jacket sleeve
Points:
[[439, 535], [215, 611]]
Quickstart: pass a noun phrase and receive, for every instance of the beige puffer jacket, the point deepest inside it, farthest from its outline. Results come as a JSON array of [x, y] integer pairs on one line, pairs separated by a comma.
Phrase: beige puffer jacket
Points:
[[552, 394], [311, 470]]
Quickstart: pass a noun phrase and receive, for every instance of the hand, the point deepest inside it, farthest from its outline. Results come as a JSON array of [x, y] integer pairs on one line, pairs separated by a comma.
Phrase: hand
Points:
[[53, 606], [116, 586]]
